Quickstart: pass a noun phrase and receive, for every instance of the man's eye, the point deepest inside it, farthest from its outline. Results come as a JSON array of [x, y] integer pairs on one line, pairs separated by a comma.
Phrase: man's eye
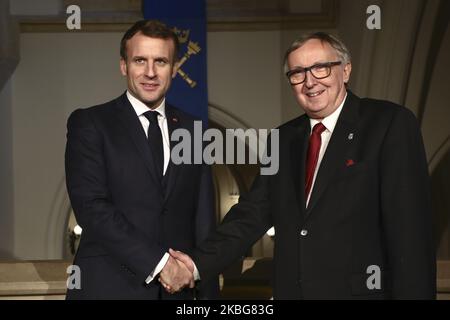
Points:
[[297, 73], [161, 62], [139, 61], [320, 68]]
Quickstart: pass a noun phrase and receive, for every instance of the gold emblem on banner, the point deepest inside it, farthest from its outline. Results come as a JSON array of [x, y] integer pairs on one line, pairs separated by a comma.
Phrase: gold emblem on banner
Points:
[[192, 49]]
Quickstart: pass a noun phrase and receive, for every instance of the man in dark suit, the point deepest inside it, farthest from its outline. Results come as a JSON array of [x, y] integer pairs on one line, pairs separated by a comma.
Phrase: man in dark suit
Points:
[[350, 203], [131, 201]]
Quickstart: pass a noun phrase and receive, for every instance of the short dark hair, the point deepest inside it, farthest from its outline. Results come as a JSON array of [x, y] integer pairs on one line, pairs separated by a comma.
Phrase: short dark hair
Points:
[[149, 28], [333, 41]]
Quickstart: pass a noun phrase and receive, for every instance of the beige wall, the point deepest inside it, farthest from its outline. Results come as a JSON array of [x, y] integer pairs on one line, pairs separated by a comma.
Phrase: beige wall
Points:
[[243, 75], [56, 74]]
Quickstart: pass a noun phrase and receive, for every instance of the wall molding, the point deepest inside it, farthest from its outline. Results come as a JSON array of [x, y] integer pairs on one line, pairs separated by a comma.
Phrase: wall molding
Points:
[[219, 18]]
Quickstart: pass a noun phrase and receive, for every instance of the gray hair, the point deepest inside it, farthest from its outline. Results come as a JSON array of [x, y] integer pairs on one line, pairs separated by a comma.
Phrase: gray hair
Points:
[[333, 41]]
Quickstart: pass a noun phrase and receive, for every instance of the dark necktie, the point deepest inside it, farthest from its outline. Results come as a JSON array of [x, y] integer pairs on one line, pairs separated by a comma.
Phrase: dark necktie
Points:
[[315, 141], [155, 141]]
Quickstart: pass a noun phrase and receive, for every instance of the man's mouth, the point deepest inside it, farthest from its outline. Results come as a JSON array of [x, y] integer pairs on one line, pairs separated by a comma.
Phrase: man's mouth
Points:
[[314, 94], [150, 86]]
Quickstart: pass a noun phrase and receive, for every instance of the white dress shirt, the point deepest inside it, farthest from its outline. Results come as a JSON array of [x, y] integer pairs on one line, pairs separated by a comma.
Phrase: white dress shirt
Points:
[[140, 108], [329, 123]]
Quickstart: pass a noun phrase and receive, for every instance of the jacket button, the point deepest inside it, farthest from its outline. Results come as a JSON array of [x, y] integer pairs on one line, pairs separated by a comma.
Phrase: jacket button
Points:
[[304, 232]]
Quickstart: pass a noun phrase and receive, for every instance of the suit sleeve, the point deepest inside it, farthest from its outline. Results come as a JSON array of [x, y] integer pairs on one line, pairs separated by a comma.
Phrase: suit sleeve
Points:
[[406, 213], [205, 223], [242, 226], [101, 221]]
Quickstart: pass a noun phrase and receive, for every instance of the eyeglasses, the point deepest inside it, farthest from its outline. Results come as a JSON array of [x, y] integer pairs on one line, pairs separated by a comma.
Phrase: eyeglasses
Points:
[[319, 71]]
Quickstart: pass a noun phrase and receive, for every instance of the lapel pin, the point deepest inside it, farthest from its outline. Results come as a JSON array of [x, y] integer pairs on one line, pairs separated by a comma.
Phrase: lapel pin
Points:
[[175, 119], [350, 136], [349, 162]]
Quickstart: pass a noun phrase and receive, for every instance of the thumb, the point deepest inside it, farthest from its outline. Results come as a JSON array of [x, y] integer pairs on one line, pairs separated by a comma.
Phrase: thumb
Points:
[[183, 258]]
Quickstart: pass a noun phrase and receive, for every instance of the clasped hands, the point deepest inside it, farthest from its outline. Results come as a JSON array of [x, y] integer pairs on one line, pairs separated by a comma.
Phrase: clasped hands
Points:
[[177, 273]]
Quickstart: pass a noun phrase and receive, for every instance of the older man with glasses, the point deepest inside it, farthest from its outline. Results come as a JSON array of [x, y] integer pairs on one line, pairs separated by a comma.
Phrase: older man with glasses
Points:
[[350, 203]]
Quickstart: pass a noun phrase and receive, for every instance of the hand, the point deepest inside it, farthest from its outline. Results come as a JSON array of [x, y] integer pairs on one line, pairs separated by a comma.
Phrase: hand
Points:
[[180, 256], [176, 275]]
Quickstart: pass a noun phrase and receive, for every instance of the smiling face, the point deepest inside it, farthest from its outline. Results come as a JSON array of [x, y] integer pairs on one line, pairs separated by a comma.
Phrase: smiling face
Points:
[[149, 68], [319, 97]]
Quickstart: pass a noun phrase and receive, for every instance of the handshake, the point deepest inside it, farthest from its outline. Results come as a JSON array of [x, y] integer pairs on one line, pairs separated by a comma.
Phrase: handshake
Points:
[[178, 272]]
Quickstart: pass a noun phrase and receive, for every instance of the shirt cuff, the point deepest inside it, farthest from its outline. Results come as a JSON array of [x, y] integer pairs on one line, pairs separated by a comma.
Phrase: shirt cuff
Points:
[[196, 273], [158, 268]]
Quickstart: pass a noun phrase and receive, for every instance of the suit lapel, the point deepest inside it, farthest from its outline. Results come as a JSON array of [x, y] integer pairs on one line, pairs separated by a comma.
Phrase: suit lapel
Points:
[[337, 149], [298, 148], [127, 116], [173, 123]]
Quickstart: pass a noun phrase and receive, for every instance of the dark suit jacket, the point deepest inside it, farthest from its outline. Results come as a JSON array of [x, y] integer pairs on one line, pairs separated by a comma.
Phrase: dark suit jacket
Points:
[[370, 206], [129, 217]]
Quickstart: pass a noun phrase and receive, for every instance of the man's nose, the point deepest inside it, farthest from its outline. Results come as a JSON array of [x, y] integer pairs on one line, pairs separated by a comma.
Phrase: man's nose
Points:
[[150, 70], [310, 81]]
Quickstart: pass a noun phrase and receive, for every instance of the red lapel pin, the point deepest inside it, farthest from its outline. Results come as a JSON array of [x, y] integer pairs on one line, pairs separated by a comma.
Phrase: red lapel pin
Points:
[[349, 162], [175, 119]]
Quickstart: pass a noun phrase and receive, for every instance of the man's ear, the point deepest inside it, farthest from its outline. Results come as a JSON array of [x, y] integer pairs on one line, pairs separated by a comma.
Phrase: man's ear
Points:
[[347, 72], [123, 67], [176, 66]]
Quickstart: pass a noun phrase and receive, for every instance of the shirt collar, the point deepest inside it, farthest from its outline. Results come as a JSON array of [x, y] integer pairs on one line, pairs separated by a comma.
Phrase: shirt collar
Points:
[[140, 108], [330, 121]]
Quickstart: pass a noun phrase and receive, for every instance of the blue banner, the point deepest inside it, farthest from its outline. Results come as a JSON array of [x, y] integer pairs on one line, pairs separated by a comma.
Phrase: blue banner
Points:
[[188, 19]]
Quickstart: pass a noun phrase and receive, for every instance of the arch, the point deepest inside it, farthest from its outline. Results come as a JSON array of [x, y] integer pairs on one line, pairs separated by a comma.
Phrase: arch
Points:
[[437, 39], [243, 175], [437, 157], [227, 120]]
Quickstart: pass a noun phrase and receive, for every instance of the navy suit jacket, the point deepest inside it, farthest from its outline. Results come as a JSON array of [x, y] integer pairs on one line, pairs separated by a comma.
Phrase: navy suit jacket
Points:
[[129, 217], [369, 208]]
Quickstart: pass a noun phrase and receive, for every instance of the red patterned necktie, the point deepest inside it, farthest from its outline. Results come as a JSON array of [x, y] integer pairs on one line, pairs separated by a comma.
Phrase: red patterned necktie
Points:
[[315, 141]]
